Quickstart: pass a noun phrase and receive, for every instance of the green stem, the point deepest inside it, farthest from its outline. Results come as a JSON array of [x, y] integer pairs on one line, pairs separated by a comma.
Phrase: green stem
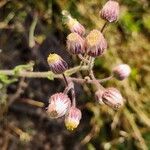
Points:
[[31, 31]]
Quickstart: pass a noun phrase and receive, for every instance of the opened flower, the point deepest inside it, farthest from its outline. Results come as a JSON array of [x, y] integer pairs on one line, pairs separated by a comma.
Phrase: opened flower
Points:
[[75, 43], [72, 118], [59, 104], [57, 64], [95, 43]]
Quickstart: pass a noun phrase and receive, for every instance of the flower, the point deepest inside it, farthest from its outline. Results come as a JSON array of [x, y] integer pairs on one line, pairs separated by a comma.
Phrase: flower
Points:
[[75, 26], [72, 118], [95, 43], [57, 64], [98, 96], [110, 11], [121, 71], [59, 104], [75, 43], [113, 98]]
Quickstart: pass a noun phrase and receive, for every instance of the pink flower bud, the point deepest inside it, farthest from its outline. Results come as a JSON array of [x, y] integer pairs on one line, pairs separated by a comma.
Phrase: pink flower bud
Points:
[[75, 26], [95, 43], [113, 98], [121, 71], [57, 64], [73, 118], [59, 104], [98, 96], [110, 11], [75, 43]]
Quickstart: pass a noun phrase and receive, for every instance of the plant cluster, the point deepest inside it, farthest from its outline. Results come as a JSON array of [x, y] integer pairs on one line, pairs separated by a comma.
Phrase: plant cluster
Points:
[[87, 47]]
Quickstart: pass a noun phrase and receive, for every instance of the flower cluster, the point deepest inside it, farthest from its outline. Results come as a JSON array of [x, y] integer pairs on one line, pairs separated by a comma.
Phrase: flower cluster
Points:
[[87, 47], [60, 105]]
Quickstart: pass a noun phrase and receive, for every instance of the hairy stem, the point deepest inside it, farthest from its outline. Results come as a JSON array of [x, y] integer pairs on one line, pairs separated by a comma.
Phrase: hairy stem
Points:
[[47, 74], [83, 59], [91, 74]]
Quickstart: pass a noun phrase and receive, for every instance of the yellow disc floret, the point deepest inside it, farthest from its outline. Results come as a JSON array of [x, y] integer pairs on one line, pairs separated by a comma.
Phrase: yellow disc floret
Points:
[[93, 37], [73, 37], [52, 58], [72, 22], [71, 124]]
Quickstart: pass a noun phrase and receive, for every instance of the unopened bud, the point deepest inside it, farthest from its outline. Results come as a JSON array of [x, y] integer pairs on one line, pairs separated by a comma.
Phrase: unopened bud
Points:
[[121, 71], [113, 98], [59, 104], [75, 43], [57, 64], [95, 43], [110, 11], [73, 118]]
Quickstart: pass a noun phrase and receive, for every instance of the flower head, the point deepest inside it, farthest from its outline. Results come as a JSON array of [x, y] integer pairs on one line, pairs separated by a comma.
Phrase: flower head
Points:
[[73, 118], [75, 43], [121, 71], [57, 64], [75, 26], [110, 11], [113, 98], [59, 104], [95, 43]]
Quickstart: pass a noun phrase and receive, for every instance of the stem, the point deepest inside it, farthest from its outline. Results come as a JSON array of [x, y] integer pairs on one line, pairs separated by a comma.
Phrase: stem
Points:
[[76, 69], [67, 89], [83, 59], [70, 86], [73, 96], [106, 79], [90, 81], [45, 74], [104, 26], [31, 31], [65, 79], [28, 74], [91, 73]]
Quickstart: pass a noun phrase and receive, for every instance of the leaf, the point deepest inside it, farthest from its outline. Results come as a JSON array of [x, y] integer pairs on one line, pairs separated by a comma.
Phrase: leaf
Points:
[[4, 79], [50, 75], [27, 67]]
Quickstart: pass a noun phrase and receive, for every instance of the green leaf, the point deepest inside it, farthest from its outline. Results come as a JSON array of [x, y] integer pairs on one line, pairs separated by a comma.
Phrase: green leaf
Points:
[[27, 67], [50, 76], [4, 79]]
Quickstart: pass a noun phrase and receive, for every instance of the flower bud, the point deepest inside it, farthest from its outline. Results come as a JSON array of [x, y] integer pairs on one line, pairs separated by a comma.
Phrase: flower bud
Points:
[[98, 96], [75, 26], [73, 118], [110, 11], [95, 43], [59, 104], [113, 98], [57, 64], [75, 44], [121, 71]]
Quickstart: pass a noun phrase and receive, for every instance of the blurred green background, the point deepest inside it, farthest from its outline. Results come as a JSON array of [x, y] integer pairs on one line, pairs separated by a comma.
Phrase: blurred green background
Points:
[[23, 123]]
